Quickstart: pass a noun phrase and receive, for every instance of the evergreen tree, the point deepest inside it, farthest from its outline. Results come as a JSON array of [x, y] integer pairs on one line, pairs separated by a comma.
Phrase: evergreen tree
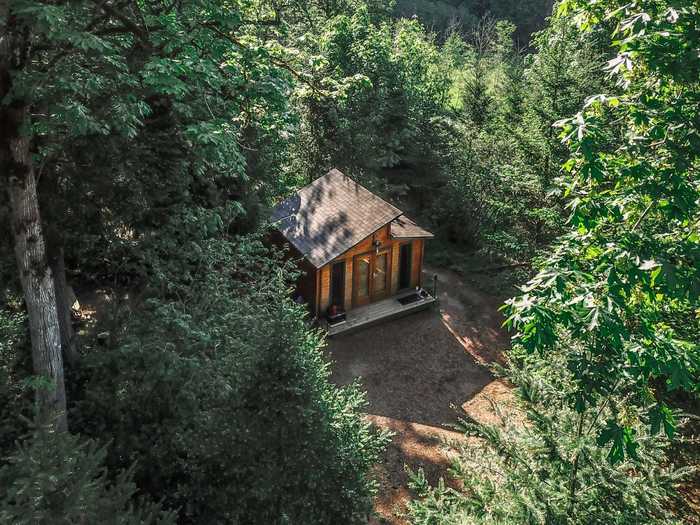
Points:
[[55, 478], [223, 398], [542, 463], [608, 328]]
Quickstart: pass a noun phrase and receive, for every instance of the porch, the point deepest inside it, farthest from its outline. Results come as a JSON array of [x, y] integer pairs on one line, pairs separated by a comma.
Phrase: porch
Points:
[[384, 310]]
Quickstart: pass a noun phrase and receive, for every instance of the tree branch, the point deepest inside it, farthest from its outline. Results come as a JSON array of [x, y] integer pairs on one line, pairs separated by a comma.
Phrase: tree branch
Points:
[[276, 62]]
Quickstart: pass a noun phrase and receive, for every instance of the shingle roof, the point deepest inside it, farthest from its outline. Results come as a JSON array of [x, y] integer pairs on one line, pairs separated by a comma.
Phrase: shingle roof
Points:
[[331, 215], [404, 228]]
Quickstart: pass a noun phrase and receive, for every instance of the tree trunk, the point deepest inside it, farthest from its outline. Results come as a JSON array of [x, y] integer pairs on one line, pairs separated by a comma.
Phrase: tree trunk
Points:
[[17, 170], [63, 307], [38, 286]]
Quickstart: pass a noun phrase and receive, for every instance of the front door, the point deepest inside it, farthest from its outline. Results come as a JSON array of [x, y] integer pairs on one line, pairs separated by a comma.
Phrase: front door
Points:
[[370, 277], [361, 279], [380, 276]]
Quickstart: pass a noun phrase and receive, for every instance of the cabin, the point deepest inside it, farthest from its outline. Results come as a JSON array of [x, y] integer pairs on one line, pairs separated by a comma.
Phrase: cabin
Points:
[[361, 257]]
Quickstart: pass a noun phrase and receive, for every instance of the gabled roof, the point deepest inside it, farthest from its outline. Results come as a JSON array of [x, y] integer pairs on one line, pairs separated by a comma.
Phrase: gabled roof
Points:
[[331, 215], [404, 228]]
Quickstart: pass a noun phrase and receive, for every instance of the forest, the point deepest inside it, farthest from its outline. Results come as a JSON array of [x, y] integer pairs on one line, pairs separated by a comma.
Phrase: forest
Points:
[[154, 365]]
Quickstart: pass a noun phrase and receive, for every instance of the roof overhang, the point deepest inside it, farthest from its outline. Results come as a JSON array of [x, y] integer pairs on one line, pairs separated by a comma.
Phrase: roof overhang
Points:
[[403, 228]]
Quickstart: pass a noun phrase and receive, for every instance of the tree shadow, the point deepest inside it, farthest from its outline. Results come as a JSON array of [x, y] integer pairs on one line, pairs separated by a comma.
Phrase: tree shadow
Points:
[[413, 369]]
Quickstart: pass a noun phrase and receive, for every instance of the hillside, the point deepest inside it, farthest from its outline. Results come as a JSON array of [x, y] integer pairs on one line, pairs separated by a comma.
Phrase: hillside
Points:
[[443, 15]]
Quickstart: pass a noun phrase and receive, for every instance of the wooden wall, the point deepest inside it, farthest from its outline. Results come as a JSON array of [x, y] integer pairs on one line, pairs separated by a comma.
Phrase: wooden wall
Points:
[[364, 246], [325, 287], [395, 267], [417, 262], [315, 285]]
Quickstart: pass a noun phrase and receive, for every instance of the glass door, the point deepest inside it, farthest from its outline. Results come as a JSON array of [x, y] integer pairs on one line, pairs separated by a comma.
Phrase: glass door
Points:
[[380, 276], [361, 279], [371, 277]]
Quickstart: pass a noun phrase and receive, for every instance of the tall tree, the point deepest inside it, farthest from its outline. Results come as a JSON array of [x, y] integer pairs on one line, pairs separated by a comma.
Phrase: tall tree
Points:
[[80, 79], [608, 328], [624, 282], [17, 169]]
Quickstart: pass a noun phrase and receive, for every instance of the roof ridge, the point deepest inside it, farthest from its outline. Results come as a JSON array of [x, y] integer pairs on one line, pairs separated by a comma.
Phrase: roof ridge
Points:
[[331, 214]]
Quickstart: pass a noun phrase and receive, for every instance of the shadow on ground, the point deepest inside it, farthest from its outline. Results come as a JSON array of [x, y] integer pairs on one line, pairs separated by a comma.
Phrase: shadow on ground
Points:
[[413, 369]]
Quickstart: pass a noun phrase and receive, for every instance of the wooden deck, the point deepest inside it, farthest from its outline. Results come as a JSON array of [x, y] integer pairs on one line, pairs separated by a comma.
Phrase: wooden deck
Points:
[[380, 311]]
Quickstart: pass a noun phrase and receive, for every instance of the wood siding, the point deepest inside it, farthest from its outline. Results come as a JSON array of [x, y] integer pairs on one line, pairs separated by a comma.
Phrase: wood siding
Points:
[[348, 284], [395, 268], [325, 287], [417, 262], [367, 246]]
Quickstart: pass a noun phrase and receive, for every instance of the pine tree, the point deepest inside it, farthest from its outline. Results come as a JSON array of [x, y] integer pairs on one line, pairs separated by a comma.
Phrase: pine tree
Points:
[[58, 478]]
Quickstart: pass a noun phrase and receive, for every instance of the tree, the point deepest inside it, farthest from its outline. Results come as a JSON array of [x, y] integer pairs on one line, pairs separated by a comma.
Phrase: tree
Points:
[[82, 79], [389, 86], [37, 280], [608, 328], [496, 199], [560, 75], [541, 463], [159, 132], [57, 478], [222, 396], [624, 282]]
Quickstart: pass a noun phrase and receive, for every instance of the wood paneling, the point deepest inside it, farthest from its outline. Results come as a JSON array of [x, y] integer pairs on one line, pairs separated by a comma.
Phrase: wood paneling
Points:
[[366, 246], [348, 284], [416, 263], [325, 288], [382, 235], [395, 268]]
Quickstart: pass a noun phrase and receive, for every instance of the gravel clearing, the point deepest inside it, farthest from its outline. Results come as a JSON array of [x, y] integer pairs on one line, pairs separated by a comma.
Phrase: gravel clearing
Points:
[[421, 372]]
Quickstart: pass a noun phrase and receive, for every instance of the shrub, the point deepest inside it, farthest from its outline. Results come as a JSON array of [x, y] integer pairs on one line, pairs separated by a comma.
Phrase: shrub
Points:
[[55, 478], [544, 465], [227, 423], [15, 367]]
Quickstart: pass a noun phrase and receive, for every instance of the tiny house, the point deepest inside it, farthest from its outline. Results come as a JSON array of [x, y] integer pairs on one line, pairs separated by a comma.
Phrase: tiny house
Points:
[[355, 249]]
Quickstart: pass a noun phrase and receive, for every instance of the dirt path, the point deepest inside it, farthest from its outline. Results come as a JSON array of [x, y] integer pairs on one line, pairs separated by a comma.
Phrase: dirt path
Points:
[[420, 373], [471, 316]]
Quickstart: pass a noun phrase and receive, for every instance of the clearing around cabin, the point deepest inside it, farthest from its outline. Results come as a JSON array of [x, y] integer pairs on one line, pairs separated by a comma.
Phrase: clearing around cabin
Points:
[[420, 372]]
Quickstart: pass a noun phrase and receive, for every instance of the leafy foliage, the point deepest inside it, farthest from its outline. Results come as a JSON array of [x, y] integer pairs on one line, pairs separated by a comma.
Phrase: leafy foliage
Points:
[[14, 369], [162, 131], [625, 281], [383, 116], [503, 154], [609, 326], [217, 411]]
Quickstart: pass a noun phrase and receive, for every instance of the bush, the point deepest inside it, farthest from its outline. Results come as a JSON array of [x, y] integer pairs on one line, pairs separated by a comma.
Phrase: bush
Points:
[[56, 479], [229, 424], [15, 367], [544, 464]]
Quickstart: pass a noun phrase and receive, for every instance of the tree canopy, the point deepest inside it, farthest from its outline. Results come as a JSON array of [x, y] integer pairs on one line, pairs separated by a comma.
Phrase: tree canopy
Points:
[[142, 146]]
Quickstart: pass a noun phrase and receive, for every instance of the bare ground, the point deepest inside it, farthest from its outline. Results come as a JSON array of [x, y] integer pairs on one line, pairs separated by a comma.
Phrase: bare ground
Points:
[[420, 373]]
